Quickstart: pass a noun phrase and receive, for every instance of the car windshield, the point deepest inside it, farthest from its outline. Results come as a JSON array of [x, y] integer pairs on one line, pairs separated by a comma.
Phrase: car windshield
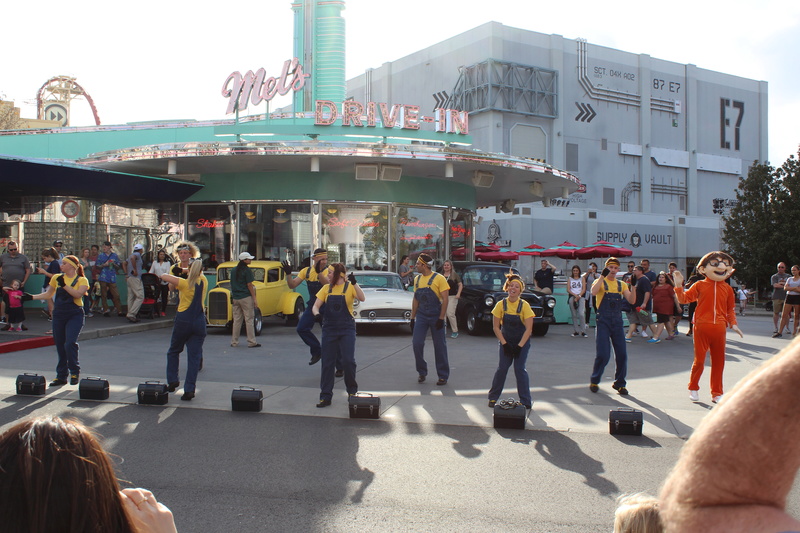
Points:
[[224, 274], [374, 281], [485, 277]]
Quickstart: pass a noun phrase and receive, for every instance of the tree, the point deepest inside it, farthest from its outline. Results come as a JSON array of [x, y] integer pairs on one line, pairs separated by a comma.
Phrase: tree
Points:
[[751, 234], [9, 115]]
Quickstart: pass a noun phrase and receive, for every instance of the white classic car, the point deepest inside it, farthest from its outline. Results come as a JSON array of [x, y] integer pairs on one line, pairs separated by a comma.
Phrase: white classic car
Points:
[[386, 300]]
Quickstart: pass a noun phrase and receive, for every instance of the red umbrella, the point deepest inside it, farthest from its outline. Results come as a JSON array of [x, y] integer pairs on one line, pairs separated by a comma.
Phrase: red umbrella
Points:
[[502, 255], [565, 250], [531, 249], [603, 249]]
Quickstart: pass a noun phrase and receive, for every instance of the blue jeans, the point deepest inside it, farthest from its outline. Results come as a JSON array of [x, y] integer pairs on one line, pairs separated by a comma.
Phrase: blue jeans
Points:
[[191, 334], [608, 332], [422, 324], [338, 349], [523, 382], [66, 330], [304, 327]]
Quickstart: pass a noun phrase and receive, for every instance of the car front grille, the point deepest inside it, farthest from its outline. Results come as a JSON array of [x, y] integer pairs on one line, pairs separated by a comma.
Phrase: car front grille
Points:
[[218, 306]]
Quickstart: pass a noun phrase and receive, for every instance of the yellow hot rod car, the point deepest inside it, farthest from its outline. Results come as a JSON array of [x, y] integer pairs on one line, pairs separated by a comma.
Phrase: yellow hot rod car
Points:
[[273, 296]]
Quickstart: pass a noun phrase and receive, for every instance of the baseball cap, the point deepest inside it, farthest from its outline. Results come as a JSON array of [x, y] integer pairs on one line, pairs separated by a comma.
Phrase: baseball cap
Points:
[[56, 243], [106, 243], [137, 247], [245, 255]]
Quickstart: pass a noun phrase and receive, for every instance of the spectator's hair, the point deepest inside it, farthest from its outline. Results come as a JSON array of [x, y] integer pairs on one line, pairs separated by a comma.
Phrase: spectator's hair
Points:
[[57, 477], [640, 268], [187, 245], [593, 263], [643, 260], [667, 279], [162, 251], [672, 264], [637, 513], [51, 252], [572, 271], [9, 243], [403, 258], [715, 255], [338, 272]]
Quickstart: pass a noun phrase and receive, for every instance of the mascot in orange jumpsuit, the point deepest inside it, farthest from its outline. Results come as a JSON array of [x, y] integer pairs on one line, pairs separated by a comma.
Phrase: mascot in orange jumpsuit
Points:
[[715, 313]]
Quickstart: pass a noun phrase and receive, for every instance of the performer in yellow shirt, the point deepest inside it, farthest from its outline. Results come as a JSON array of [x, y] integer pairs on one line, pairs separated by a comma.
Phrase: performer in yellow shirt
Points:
[[427, 313], [338, 331], [513, 325], [315, 276], [68, 317]]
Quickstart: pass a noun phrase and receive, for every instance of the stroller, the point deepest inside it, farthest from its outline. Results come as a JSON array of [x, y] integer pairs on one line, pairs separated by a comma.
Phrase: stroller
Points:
[[149, 308]]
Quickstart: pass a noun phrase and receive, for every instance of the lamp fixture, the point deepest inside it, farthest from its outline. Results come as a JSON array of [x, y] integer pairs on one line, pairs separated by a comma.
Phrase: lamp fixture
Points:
[[281, 210], [250, 215], [331, 210]]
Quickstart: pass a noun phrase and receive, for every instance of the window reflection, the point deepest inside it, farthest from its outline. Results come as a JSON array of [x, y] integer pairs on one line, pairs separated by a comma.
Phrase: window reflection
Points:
[[276, 231], [356, 235], [420, 230]]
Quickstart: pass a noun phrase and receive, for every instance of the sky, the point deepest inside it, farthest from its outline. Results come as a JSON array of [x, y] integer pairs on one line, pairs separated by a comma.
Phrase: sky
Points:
[[167, 59]]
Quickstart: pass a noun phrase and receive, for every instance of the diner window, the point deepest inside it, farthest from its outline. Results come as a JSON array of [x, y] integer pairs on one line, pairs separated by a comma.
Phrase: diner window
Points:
[[419, 231], [210, 228], [276, 231], [356, 235], [460, 235]]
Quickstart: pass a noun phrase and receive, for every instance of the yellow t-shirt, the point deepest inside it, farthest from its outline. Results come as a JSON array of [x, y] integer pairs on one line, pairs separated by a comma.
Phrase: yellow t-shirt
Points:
[[309, 274], [512, 307], [82, 282], [187, 293], [349, 296], [439, 284], [614, 287]]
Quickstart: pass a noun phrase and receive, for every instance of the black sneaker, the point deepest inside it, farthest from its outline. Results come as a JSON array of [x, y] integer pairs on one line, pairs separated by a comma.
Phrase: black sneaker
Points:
[[314, 359], [187, 396], [74, 378], [323, 403], [58, 382], [339, 373], [173, 386], [593, 387], [776, 335], [492, 403], [621, 390], [421, 379]]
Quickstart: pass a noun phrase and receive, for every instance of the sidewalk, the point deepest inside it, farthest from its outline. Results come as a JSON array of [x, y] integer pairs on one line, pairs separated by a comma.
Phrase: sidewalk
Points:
[[96, 327]]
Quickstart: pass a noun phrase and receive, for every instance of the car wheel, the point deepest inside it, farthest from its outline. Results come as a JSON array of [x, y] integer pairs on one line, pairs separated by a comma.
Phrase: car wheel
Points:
[[540, 330], [299, 309], [257, 322], [473, 324]]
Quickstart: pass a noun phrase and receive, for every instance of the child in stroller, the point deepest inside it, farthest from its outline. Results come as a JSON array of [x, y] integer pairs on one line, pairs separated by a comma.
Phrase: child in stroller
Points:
[[150, 283]]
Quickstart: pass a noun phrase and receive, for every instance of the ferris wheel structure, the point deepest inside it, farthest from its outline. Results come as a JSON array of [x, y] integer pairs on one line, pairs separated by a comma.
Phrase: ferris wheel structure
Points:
[[54, 98]]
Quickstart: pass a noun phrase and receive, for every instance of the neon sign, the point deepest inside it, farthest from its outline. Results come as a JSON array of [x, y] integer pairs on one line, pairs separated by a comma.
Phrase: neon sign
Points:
[[405, 117], [334, 222], [257, 88], [205, 223]]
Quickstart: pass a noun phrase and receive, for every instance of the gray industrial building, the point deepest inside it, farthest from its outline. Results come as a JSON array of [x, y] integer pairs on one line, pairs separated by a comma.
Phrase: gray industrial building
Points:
[[659, 146]]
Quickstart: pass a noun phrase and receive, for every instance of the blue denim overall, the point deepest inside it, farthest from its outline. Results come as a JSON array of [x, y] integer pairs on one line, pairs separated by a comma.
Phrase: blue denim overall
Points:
[[428, 310], [68, 320], [610, 331], [189, 331], [307, 319], [338, 342], [513, 329]]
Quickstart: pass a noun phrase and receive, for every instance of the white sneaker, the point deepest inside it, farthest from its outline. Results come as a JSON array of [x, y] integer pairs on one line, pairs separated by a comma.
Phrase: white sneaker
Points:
[[716, 399], [644, 334], [694, 396]]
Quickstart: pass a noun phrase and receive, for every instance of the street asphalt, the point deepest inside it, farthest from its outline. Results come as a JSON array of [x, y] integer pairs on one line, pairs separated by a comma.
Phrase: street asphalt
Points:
[[432, 462]]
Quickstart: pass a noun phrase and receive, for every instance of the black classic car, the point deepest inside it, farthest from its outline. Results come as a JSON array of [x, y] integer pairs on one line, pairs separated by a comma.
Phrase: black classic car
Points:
[[483, 288]]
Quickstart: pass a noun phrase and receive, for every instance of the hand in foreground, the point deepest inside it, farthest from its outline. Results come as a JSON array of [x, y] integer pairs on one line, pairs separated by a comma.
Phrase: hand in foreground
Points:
[[412, 324], [26, 297], [737, 330], [287, 268], [61, 281], [508, 350], [677, 278], [352, 278], [146, 513], [439, 323]]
